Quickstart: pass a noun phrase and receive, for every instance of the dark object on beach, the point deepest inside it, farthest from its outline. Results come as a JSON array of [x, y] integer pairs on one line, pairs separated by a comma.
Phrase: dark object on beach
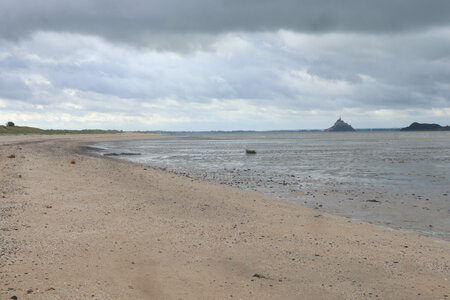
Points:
[[111, 154], [12, 156], [72, 161], [92, 148], [121, 154], [10, 124], [373, 201], [247, 151], [425, 127], [340, 126], [259, 276]]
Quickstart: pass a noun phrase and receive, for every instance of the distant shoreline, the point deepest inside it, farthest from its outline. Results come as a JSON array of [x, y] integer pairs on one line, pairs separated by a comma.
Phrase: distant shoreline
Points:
[[25, 130], [270, 131]]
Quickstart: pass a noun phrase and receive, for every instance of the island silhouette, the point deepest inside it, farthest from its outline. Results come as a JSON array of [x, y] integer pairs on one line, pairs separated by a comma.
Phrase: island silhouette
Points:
[[425, 127], [340, 126]]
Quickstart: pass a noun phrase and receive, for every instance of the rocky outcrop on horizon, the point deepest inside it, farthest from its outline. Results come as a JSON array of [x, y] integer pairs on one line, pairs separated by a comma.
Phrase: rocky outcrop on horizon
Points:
[[425, 127], [340, 126]]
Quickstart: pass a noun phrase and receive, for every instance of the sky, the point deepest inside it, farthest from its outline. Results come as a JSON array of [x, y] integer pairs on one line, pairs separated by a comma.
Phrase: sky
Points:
[[224, 64]]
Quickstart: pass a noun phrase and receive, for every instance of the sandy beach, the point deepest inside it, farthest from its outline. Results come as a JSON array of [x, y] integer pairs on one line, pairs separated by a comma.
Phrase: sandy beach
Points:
[[76, 226]]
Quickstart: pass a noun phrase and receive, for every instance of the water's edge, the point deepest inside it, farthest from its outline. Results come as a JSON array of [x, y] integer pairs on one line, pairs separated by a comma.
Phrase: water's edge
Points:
[[364, 203]]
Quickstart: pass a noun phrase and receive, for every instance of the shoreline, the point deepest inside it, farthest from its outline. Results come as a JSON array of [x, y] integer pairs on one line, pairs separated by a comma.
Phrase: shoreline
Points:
[[390, 204], [115, 229]]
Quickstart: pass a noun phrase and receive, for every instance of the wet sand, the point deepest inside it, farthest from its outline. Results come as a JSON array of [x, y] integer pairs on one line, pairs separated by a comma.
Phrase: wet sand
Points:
[[426, 212], [78, 226]]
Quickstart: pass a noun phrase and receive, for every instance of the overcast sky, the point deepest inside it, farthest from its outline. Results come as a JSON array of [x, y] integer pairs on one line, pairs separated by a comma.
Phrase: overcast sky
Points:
[[224, 64]]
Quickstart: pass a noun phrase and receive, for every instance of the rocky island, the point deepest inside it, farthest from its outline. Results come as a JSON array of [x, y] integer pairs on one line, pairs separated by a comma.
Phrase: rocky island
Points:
[[425, 127], [340, 126]]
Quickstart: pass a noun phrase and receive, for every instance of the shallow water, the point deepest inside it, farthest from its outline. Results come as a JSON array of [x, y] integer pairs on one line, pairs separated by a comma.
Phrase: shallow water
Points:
[[397, 179]]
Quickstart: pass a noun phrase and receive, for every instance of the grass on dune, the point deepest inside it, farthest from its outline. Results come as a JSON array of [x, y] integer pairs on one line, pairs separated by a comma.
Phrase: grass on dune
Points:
[[33, 130]]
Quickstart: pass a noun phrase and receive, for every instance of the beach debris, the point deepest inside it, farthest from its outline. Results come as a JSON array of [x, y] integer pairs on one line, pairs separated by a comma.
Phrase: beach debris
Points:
[[373, 201], [12, 156], [14, 297], [257, 275], [73, 161], [248, 151], [121, 154], [92, 148], [29, 291]]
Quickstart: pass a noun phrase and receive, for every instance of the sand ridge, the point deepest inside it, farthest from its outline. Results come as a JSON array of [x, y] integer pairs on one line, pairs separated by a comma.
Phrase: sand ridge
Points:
[[78, 226]]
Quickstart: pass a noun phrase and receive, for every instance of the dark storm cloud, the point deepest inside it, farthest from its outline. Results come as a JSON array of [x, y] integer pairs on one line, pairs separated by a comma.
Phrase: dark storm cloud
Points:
[[164, 22]]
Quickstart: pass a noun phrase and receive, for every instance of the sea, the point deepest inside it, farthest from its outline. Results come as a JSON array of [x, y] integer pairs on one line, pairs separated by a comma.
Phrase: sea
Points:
[[391, 178]]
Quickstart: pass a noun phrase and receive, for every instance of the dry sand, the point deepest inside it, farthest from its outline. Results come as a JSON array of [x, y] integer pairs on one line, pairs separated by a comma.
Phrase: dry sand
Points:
[[106, 229]]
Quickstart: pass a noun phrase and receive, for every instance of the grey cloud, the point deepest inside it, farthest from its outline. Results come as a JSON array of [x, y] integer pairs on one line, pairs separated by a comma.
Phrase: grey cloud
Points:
[[12, 87], [165, 23], [287, 71], [11, 62]]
